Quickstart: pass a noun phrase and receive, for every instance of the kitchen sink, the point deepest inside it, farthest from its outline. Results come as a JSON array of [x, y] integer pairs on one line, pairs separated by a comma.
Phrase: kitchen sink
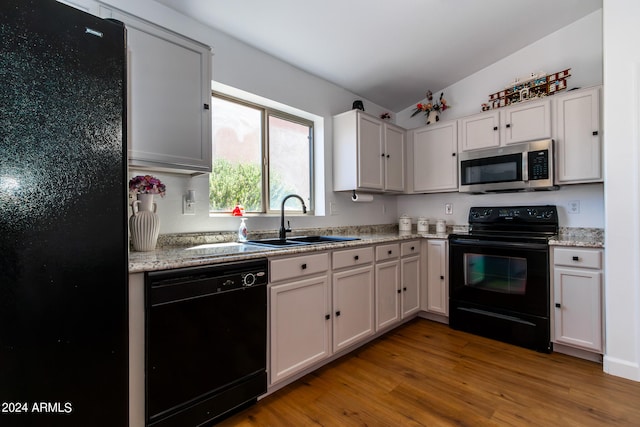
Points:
[[300, 241]]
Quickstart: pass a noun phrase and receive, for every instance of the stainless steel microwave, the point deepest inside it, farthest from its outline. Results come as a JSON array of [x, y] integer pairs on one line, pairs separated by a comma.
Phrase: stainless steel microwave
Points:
[[524, 166]]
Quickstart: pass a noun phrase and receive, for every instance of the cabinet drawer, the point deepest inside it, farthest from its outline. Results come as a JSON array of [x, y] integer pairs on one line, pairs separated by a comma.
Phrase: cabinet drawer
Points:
[[410, 248], [586, 258], [352, 257], [306, 265], [387, 251]]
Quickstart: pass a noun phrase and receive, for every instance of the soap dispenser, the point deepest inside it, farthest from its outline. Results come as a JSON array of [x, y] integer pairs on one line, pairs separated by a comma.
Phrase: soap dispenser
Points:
[[242, 231]]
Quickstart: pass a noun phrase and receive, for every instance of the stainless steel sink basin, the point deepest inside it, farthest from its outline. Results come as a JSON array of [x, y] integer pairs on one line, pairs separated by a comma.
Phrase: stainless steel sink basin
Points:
[[300, 241]]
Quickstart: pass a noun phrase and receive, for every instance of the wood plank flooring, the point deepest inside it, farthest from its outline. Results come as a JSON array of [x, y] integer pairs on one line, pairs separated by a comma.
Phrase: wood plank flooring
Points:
[[426, 374]]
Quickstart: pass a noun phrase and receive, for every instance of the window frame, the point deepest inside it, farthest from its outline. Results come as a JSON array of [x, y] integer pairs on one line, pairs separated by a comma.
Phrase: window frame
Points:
[[266, 113]]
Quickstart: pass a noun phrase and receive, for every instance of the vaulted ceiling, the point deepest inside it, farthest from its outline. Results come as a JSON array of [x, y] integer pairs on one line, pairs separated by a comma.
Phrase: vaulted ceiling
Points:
[[389, 52]]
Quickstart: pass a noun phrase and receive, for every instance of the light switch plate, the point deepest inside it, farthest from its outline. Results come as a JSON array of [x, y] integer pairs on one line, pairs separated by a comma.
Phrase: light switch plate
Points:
[[188, 208], [448, 208]]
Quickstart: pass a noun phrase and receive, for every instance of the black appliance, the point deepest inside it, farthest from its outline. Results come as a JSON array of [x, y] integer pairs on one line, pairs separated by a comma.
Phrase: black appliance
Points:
[[499, 275], [63, 235], [516, 167], [206, 342]]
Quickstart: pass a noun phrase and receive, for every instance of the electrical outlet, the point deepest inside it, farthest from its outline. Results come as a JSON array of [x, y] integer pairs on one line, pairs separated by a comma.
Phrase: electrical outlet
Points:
[[333, 208], [188, 207], [448, 208], [574, 206]]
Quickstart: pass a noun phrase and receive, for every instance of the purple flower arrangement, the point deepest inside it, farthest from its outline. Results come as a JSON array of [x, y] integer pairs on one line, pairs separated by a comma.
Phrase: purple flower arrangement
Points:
[[146, 184]]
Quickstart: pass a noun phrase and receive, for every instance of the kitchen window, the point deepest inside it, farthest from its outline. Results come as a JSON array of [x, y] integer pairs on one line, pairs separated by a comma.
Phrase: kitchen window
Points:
[[259, 155]]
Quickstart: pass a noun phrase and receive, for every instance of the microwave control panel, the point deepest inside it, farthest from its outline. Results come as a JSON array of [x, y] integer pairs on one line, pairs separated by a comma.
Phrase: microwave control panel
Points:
[[538, 164]]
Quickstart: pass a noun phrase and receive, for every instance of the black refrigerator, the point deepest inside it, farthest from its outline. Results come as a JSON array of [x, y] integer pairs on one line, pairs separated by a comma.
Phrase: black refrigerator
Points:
[[63, 208]]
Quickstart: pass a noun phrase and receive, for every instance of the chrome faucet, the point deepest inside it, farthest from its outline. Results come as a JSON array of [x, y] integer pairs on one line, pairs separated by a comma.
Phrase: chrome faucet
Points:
[[282, 234]]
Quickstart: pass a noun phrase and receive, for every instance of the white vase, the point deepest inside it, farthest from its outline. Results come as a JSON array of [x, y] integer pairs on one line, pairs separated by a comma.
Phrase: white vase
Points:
[[144, 223], [433, 116]]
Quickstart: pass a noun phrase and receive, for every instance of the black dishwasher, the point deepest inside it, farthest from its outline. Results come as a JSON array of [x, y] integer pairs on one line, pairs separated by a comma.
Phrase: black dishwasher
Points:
[[206, 342]]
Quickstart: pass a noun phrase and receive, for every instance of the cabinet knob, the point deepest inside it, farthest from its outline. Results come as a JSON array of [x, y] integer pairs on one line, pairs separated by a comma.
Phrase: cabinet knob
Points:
[[495, 128], [508, 125], [404, 289], [304, 266], [206, 106], [327, 316], [338, 313], [441, 277], [453, 154], [399, 291], [382, 155], [390, 252], [413, 248], [595, 133], [388, 156], [575, 258], [356, 257], [558, 305]]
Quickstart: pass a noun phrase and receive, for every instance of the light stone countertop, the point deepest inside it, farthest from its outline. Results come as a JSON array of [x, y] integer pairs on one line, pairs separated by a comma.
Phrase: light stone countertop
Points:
[[197, 249]]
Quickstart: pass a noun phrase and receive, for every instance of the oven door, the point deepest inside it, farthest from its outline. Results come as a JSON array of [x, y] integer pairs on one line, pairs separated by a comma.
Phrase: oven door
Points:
[[509, 276]]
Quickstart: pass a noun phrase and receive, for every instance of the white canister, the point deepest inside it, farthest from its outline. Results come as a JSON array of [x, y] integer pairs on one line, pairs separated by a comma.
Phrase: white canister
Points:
[[441, 226], [423, 225], [404, 223]]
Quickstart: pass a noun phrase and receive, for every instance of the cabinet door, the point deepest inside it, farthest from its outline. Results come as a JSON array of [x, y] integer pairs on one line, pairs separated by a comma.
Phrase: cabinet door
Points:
[[169, 87], [526, 122], [394, 158], [435, 163], [300, 326], [578, 307], [370, 153], [410, 285], [577, 137], [479, 131], [353, 316], [437, 283], [388, 294]]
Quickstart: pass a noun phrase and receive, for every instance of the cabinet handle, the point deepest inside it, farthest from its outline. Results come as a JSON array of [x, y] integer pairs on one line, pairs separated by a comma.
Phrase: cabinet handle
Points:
[[495, 128], [382, 155], [441, 277], [206, 106], [338, 313], [390, 252], [595, 133], [508, 125], [399, 291], [356, 257], [388, 156], [558, 305], [304, 266], [575, 258], [453, 154], [404, 289], [327, 316]]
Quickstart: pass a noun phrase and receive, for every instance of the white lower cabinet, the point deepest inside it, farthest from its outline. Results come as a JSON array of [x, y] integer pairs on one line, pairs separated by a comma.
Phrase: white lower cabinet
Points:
[[352, 306], [437, 277], [577, 298], [300, 330], [387, 285], [410, 278]]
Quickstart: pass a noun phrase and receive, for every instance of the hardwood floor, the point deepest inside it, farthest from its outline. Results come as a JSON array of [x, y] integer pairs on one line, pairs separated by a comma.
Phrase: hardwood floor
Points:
[[426, 374]]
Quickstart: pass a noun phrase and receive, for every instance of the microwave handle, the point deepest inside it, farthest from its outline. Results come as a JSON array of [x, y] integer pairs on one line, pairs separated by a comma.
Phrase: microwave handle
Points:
[[525, 166]]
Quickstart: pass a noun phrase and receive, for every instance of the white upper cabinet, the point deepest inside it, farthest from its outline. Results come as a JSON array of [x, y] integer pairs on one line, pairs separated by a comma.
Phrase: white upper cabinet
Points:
[[527, 121], [578, 137], [368, 153], [169, 91], [479, 131], [434, 159]]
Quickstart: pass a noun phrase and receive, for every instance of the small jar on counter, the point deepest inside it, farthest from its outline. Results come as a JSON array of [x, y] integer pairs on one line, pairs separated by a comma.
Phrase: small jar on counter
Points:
[[404, 223], [441, 226], [423, 225]]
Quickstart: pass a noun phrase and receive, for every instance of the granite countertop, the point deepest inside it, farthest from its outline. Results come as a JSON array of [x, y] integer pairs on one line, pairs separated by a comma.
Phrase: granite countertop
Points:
[[579, 237], [200, 252], [188, 250]]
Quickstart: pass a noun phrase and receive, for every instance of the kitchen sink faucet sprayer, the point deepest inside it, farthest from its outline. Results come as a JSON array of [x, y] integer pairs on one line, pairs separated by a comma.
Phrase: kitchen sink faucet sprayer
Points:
[[283, 231]]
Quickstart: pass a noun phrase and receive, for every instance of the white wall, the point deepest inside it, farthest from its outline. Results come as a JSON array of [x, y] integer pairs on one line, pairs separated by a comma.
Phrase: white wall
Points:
[[577, 46], [622, 204]]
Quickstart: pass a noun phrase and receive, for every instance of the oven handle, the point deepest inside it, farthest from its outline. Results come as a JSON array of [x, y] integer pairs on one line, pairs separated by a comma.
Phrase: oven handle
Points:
[[498, 244]]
